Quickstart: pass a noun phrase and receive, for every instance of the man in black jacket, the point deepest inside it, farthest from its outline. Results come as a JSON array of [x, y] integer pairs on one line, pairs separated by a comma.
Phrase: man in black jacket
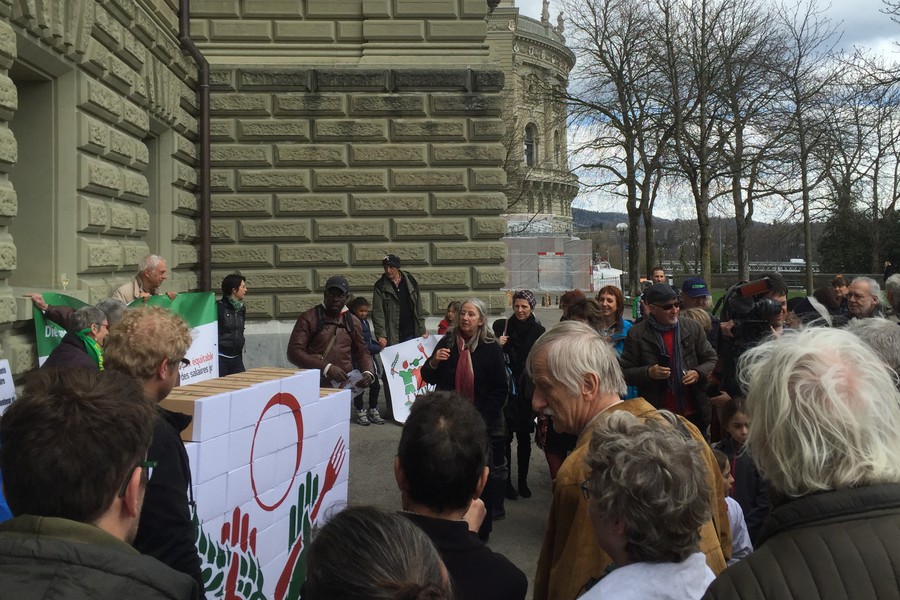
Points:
[[149, 344], [75, 470], [231, 324], [441, 470]]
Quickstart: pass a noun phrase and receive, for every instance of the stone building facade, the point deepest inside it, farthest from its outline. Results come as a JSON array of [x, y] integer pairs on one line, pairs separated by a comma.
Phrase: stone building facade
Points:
[[340, 130], [536, 62]]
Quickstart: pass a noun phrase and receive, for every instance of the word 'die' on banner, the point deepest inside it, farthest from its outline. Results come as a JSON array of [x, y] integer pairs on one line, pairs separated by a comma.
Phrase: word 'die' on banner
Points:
[[403, 367], [197, 309]]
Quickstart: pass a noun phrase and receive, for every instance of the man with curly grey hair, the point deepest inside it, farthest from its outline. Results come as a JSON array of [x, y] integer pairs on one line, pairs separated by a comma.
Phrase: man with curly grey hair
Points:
[[578, 381], [825, 417], [647, 500]]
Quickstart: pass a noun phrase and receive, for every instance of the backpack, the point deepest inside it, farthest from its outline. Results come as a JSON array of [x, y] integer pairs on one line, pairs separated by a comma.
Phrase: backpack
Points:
[[320, 321]]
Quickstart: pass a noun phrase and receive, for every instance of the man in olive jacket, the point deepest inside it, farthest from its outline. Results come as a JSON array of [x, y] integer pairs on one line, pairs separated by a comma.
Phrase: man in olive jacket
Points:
[[396, 305], [825, 416]]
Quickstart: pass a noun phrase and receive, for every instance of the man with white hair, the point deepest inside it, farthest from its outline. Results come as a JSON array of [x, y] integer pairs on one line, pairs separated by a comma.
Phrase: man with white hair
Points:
[[152, 271], [892, 288], [577, 379], [825, 417], [864, 298]]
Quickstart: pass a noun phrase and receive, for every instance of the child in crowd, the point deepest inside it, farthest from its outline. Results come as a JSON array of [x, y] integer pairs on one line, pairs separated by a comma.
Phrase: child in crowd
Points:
[[359, 306], [741, 547], [748, 489], [450, 318]]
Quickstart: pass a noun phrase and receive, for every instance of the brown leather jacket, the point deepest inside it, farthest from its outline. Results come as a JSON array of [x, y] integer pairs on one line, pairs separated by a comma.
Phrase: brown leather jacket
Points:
[[306, 347]]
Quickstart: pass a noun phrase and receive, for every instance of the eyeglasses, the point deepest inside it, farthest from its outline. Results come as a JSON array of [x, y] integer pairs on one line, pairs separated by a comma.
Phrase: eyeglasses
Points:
[[147, 466], [585, 490], [666, 306]]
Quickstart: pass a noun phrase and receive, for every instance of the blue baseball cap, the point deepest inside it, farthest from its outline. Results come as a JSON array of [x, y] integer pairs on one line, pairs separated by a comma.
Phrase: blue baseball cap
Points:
[[694, 287]]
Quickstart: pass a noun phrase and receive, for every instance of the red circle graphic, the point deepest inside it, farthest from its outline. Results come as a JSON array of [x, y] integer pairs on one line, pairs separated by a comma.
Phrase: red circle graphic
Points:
[[290, 402]]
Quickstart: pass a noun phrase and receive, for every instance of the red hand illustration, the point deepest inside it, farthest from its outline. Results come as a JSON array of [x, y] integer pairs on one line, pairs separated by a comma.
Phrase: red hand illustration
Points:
[[237, 534]]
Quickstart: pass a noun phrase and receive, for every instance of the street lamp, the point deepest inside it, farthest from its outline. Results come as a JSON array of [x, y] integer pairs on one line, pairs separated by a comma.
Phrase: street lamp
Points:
[[622, 228]]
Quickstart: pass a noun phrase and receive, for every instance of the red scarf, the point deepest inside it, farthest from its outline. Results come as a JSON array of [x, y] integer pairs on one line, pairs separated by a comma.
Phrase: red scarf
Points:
[[465, 377]]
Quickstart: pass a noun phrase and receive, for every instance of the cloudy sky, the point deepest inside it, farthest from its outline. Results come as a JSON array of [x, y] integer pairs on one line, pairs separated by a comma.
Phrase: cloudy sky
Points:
[[860, 20]]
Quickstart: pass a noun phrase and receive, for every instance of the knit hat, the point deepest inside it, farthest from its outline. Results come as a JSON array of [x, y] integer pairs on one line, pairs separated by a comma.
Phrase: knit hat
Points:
[[527, 296]]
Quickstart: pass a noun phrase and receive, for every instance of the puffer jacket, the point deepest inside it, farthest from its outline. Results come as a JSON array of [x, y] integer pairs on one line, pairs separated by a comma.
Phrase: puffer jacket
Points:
[[48, 557], [841, 545], [386, 308], [231, 328]]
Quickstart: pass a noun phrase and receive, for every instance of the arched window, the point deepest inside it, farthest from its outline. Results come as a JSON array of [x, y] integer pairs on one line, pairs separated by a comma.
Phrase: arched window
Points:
[[530, 145]]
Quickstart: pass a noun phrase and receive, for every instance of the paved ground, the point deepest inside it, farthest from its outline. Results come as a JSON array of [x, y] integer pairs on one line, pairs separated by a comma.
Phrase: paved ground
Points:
[[518, 536]]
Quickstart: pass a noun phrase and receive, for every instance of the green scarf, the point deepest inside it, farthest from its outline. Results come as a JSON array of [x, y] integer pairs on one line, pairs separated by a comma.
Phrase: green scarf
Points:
[[91, 346], [237, 304]]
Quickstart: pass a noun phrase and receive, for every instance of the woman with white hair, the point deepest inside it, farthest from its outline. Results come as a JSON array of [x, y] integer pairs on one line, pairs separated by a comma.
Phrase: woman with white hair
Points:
[[469, 360], [826, 436]]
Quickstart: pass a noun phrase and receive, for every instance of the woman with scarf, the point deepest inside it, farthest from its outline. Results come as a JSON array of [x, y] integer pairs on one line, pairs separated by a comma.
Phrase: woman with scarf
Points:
[[231, 324], [469, 360], [517, 334], [82, 346]]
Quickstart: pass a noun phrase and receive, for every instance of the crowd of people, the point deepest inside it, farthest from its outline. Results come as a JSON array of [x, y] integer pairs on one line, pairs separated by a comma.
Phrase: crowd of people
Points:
[[750, 456]]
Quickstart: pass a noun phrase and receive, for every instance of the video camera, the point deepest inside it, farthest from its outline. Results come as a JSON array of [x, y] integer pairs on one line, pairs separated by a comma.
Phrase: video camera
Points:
[[752, 313]]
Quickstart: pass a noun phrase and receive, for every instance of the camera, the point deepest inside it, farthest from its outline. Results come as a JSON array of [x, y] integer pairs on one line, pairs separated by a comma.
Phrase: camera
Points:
[[752, 313]]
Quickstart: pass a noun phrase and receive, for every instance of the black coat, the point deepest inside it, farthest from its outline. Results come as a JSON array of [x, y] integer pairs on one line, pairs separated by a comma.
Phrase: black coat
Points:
[[476, 572], [70, 354], [231, 328], [522, 336], [166, 530], [489, 370], [750, 489]]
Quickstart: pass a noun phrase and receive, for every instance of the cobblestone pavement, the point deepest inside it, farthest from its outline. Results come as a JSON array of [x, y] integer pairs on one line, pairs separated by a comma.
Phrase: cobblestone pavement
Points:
[[518, 536]]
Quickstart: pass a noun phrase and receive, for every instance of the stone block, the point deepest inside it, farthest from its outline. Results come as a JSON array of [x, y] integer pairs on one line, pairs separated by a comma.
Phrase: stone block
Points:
[[310, 204], [281, 80], [243, 205], [430, 229], [222, 180], [185, 201], [121, 219], [488, 228], [360, 281], [428, 130], [372, 254], [290, 306], [336, 230], [377, 8], [352, 80], [487, 130], [487, 179], [97, 176], [223, 232], [488, 81], [491, 278], [135, 119], [310, 255], [96, 255], [310, 104], [240, 104], [9, 98], [9, 149], [222, 130], [277, 281], [304, 31], [244, 255], [425, 8], [350, 180], [272, 8], [428, 179], [388, 30], [467, 204], [132, 253], [331, 9], [431, 80], [389, 204], [215, 8], [456, 31], [350, 130], [121, 147], [141, 219], [135, 186], [240, 155], [7, 253], [222, 79], [240, 30], [468, 254], [93, 135], [334, 155], [391, 105], [9, 204], [8, 51], [98, 99], [468, 105], [120, 75], [274, 230], [389, 154], [468, 154], [274, 180], [349, 31], [273, 129], [187, 255], [185, 230], [445, 277], [473, 8], [185, 149]]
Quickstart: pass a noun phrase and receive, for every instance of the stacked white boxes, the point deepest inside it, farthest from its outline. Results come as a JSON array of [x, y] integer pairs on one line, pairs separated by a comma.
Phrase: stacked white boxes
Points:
[[269, 456]]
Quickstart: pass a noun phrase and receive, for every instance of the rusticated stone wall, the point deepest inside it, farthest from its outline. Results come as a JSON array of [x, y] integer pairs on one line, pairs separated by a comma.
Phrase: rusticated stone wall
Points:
[[324, 171]]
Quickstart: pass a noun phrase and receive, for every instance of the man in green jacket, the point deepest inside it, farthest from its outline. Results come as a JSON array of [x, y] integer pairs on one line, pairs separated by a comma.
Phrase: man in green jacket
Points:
[[396, 305]]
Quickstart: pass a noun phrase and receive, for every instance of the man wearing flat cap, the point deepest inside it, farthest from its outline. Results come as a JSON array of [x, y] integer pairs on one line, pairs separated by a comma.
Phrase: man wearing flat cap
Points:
[[396, 305], [329, 338], [668, 358]]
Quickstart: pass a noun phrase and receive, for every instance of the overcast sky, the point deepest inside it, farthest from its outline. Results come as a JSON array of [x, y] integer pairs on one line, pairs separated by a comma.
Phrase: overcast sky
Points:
[[860, 20]]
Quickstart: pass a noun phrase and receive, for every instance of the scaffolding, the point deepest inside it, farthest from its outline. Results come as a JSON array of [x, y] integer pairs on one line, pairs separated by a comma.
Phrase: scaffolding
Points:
[[548, 264]]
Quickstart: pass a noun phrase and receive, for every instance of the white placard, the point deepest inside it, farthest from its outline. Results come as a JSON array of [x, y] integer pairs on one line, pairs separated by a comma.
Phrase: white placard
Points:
[[403, 369], [7, 386]]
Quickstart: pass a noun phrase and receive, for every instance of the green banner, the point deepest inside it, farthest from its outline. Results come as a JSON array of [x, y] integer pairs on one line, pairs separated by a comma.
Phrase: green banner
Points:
[[48, 333], [198, 308]]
